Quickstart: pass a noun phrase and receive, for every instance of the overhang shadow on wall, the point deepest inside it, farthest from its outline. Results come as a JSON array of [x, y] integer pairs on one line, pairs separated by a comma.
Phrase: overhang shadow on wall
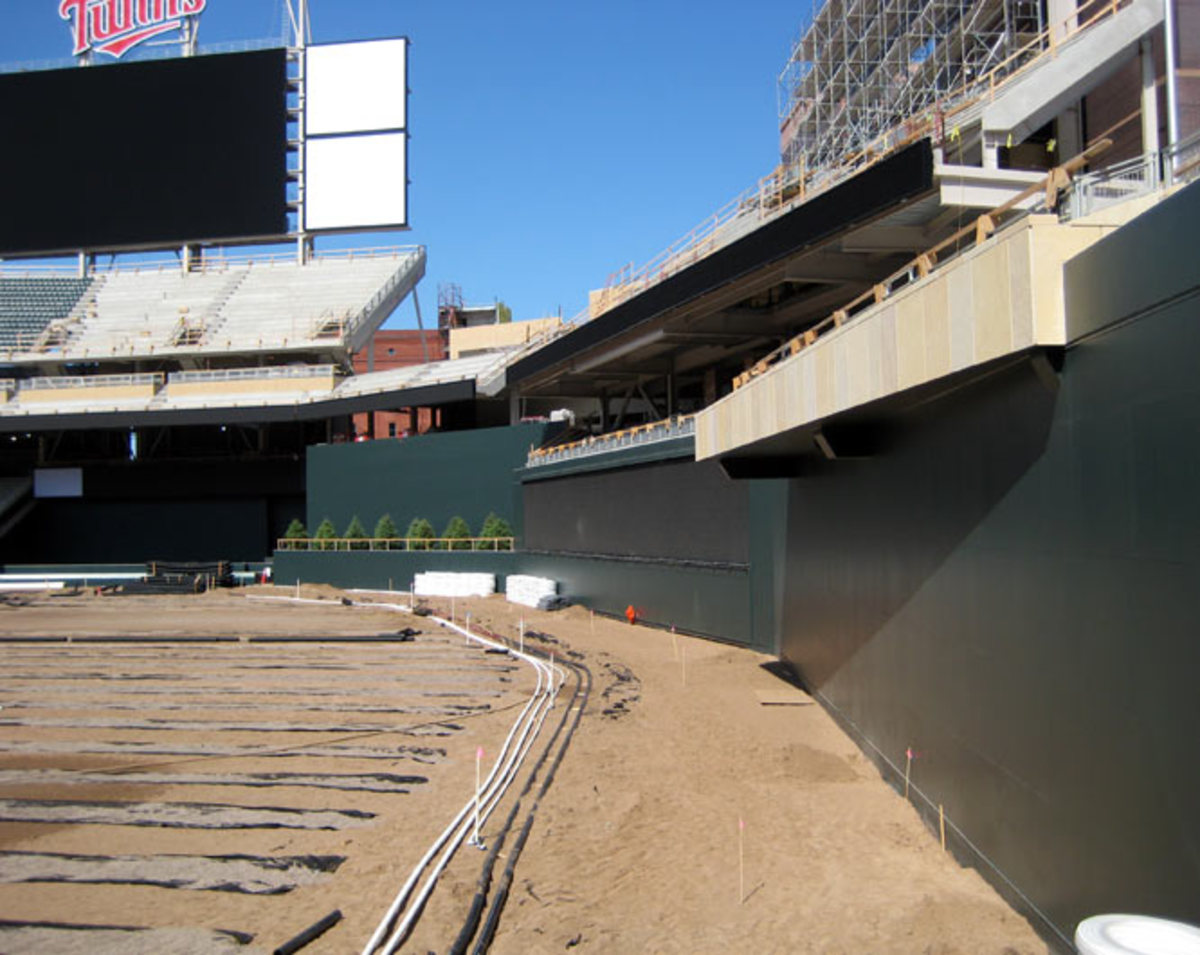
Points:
[[873, 518]]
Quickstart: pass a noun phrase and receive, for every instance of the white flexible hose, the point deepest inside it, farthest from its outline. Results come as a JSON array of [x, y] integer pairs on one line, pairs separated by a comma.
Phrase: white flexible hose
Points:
[[524, 732]]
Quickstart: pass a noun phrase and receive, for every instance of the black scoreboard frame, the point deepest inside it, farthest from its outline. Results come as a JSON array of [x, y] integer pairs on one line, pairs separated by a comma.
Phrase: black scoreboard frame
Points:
[[150, 154]]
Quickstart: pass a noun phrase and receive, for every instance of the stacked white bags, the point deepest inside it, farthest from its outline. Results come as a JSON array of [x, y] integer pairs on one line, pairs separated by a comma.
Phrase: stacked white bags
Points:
[[441, 584], [528, 591]]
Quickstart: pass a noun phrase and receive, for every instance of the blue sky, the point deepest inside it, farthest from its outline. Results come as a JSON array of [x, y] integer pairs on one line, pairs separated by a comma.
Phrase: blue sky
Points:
[[551, 142]]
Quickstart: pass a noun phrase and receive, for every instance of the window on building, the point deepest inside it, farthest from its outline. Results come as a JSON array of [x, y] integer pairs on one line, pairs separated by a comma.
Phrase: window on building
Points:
[[391, 429]]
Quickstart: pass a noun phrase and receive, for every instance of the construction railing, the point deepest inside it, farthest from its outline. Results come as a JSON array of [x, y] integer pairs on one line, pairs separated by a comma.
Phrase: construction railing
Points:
[[274, 372], [451, 544], [211, 261], [976, 233], [155, 379], [643, 434], [787, 187]]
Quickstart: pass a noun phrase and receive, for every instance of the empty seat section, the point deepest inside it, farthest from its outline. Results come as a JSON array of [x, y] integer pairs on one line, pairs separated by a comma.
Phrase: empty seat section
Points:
[[139, 312], [281, 303], [29, 304]]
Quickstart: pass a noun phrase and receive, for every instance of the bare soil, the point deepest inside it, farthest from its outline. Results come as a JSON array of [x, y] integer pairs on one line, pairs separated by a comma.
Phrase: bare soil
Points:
[[686, 816]]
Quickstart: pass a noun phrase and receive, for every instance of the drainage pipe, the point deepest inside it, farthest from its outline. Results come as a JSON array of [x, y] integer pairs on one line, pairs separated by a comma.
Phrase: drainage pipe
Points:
[[550, 678]]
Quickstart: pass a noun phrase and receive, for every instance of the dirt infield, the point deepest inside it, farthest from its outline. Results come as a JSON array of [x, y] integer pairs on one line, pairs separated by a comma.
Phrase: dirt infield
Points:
[[230, 793]]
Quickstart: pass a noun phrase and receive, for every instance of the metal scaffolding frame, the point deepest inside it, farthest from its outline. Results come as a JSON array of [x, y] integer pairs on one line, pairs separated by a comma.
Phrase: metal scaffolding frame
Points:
[[864, 66]]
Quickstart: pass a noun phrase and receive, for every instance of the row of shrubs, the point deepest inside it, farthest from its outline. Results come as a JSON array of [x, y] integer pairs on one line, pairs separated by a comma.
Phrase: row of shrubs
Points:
[[420, 535]]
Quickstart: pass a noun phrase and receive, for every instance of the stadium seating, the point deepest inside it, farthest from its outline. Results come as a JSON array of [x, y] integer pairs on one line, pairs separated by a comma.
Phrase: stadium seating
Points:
[[326, 305], [29, 304]]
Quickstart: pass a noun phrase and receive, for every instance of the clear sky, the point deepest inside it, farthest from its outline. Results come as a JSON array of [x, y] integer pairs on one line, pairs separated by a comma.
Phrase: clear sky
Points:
[[551, 142]]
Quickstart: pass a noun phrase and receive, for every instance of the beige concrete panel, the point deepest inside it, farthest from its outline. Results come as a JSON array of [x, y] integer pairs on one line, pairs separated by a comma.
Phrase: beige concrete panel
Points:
[[82, 393], [794, 385], [888, 359], [989, 279], [1053, 246], [960, 313], [826, 390], [251, 386], [506, 335], [910, 341], [1020, 278], [806, 372], [852, 365], [937, 329], [841, 372]]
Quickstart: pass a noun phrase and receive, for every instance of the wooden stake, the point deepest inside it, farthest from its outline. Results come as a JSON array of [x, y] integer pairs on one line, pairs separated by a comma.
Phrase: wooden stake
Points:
[[907, 769]]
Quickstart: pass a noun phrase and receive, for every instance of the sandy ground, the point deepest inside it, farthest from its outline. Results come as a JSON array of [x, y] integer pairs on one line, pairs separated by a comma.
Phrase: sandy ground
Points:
[[636, 847]]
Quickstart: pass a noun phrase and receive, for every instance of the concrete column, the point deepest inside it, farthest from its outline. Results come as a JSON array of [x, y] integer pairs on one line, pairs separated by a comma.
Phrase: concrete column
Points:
[[1069, 132], [1149, 98], [1063, 19]]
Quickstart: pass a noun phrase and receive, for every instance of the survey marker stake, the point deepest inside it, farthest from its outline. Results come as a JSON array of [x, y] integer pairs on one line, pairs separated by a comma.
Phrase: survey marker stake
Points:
[[475, 840]]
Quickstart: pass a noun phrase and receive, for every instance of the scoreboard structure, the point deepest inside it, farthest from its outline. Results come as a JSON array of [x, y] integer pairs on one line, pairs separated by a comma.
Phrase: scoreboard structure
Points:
[[233, 148]]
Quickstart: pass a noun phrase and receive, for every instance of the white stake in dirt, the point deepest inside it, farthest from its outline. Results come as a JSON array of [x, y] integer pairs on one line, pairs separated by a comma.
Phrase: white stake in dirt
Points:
[[908, 758], [475, 840], [468, 629]]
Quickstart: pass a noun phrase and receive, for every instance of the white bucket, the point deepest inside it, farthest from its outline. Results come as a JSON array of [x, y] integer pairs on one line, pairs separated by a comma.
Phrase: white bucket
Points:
[[1135, 935]]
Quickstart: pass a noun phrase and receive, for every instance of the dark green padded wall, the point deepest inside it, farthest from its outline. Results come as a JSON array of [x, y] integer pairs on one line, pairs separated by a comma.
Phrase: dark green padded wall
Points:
[[1011, 591], [706, 601], [437, 476]]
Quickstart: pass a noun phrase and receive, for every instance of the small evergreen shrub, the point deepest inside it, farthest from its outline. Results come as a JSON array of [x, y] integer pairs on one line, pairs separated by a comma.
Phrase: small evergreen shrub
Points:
[[326, 534], [295, 532], [356, 534], [494, 526], [420, 532], [458, 532], [385, 529]]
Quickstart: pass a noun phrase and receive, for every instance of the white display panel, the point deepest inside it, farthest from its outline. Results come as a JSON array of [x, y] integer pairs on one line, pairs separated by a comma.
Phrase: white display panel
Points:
[[57, 482], [356, 87], [355, 182]]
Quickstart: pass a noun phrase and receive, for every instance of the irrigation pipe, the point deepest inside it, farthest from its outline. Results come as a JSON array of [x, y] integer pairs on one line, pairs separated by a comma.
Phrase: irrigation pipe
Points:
[[513, 752], [583, 682], [524, 731]]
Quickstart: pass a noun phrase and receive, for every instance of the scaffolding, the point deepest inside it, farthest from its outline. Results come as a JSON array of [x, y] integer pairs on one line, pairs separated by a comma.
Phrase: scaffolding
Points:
[[864, 67]]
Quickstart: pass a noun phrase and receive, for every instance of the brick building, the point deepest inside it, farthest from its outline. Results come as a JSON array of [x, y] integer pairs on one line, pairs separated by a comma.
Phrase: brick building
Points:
[[398, 348]]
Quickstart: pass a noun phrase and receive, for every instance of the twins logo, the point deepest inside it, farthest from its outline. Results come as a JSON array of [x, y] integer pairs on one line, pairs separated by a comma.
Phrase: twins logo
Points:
[[116, 26]]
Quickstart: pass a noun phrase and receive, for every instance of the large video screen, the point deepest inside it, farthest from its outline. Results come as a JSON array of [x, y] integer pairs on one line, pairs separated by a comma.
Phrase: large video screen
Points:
[[356, 141], [141, 154]]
